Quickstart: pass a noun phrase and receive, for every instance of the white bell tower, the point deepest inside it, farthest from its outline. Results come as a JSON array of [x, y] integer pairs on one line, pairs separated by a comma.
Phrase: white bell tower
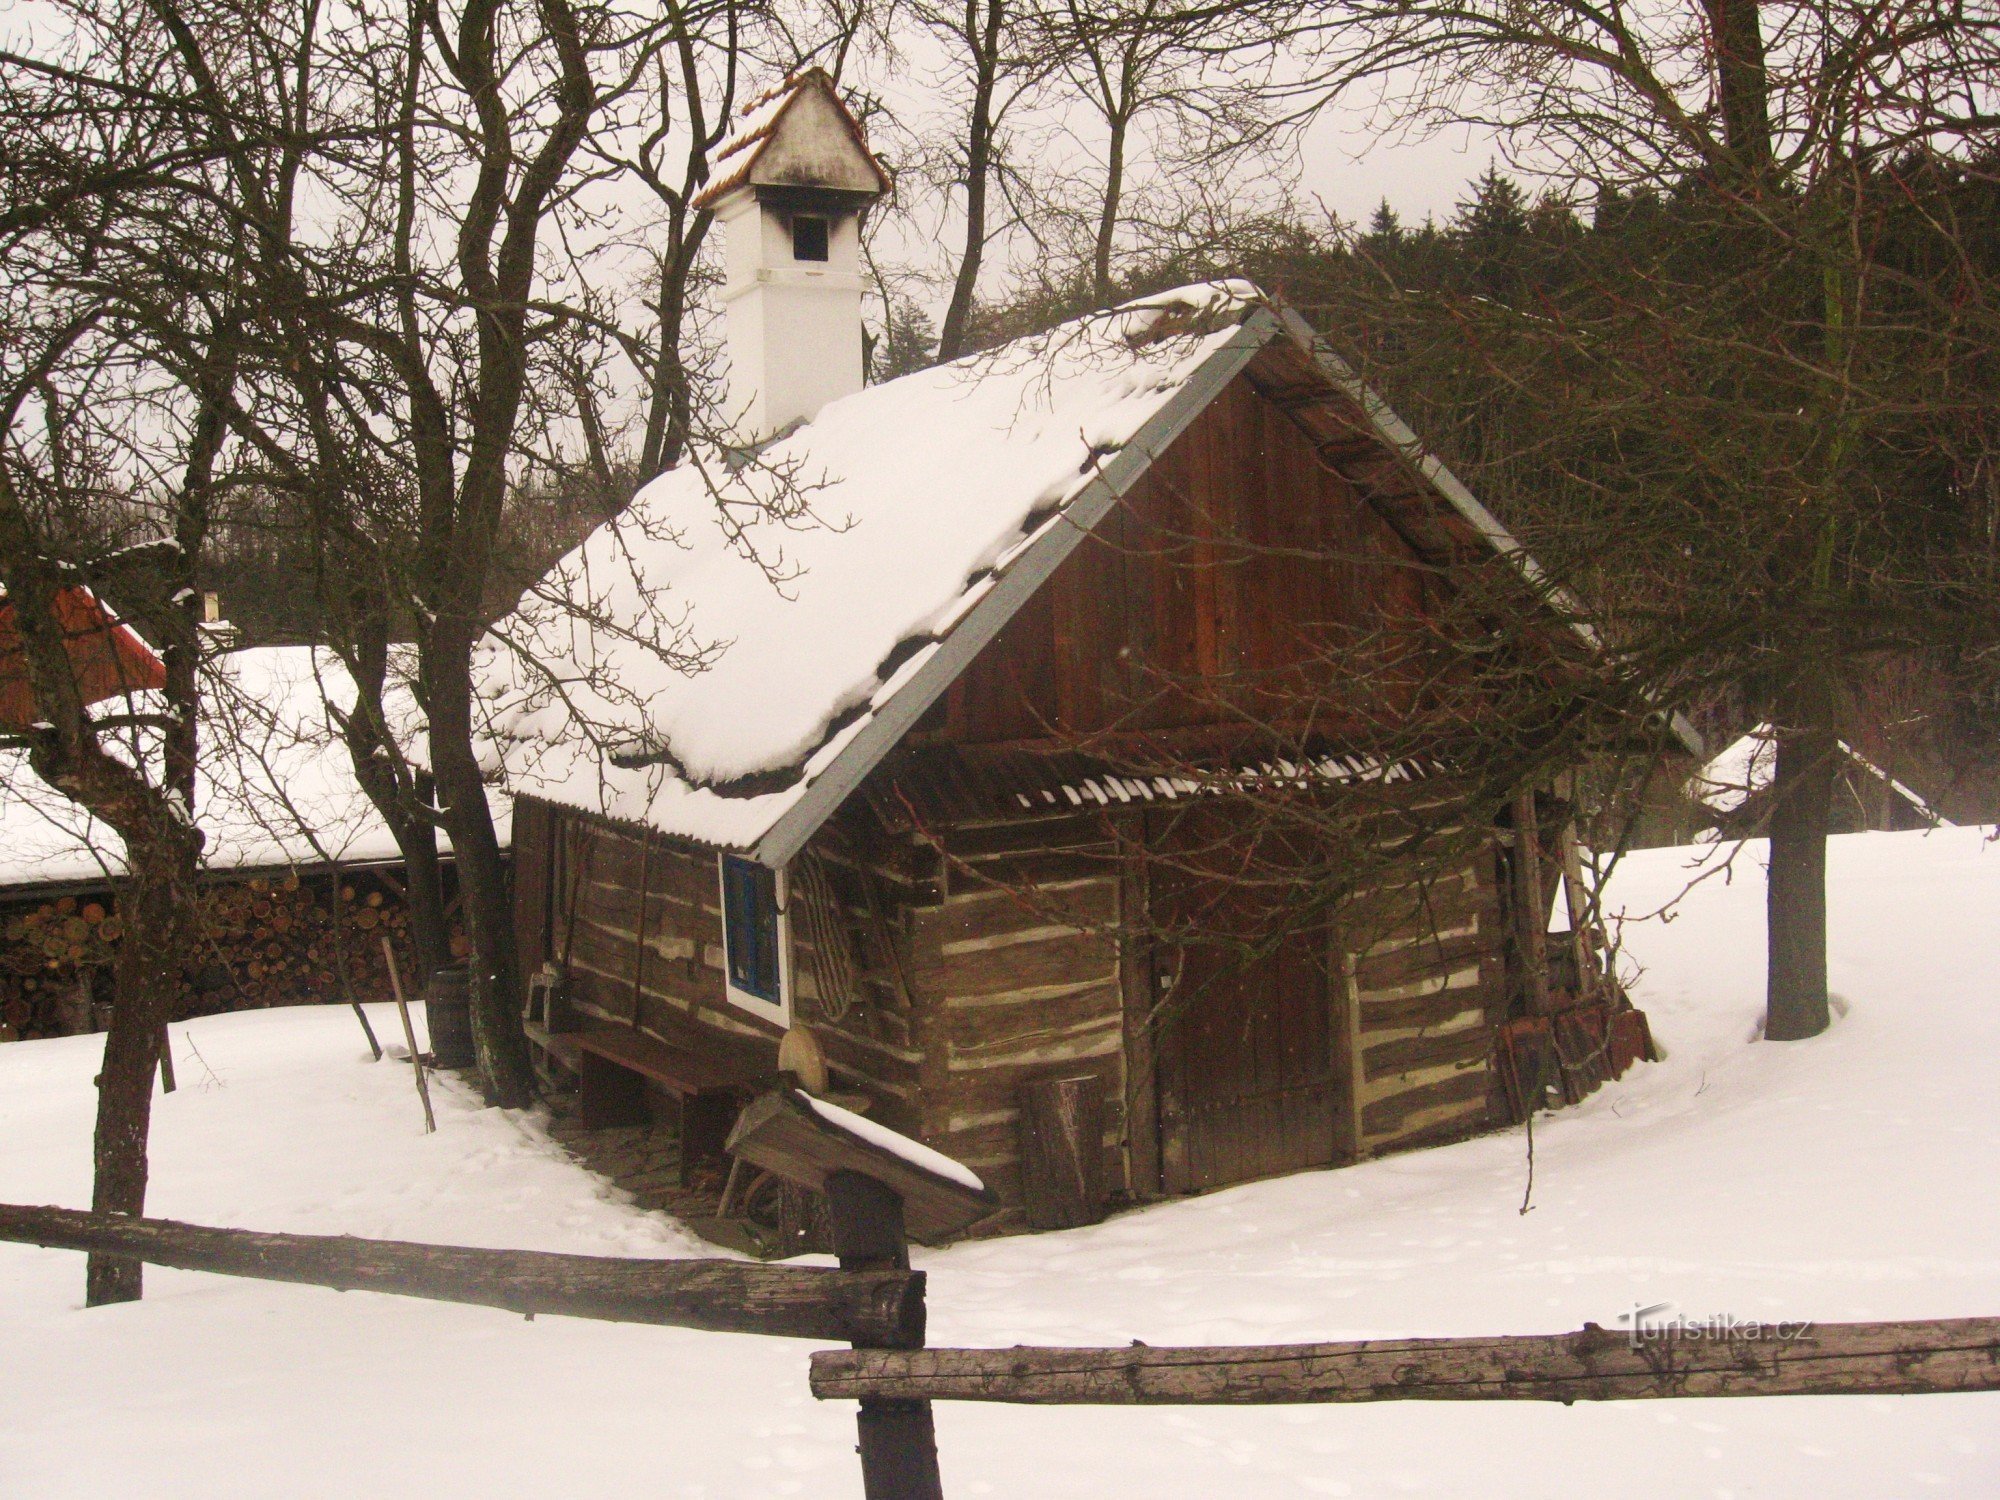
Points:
[[796, 179]]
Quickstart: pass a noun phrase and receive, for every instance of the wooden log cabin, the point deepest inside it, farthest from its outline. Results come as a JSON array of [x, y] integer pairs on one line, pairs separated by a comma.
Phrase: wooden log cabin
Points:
[[846, 774]]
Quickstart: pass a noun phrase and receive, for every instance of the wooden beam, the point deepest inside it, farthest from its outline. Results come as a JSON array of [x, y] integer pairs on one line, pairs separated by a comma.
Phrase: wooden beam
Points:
[[1594, 1364], [876, 1306], [1531, 916], [802, 1141]]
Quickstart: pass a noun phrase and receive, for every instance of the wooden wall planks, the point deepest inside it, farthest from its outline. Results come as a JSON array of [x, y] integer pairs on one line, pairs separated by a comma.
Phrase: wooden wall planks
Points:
[[1219, 574]]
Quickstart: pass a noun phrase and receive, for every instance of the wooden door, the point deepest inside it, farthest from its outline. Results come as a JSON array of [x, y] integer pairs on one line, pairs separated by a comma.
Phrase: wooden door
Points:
[[1248, 1079]]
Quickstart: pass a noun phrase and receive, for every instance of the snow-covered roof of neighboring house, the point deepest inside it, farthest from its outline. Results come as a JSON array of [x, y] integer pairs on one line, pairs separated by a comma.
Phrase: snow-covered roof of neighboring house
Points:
[[275, 785], [801, 647], [739, 157], [1747, 766]]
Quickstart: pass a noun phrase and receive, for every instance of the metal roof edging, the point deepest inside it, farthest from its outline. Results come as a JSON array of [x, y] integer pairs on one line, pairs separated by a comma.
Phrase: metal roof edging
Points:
[[1011, 590]]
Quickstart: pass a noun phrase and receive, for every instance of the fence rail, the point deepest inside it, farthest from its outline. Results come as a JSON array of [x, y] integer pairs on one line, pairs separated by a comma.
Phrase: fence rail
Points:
[[895, 1378], [882, 1307], [1593, 1364]]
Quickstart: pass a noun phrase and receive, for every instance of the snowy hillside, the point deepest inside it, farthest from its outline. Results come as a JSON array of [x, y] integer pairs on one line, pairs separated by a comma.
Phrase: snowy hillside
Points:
[[1850, 1177]]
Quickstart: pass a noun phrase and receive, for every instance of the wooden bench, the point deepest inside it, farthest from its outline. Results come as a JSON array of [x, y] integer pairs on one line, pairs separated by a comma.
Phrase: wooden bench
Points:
[[614, 1066], [545, 1046]]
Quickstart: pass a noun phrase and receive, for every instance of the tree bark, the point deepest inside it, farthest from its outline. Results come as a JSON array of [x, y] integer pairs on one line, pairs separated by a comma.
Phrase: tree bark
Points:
[[1531, 923], [1795, 900], [1107, 220], [144, 976], [1593, 1364], [874, 1305], [423, 887], [1742, 85], [506, 1073], [670, 405], [396, 789], [983, 35]]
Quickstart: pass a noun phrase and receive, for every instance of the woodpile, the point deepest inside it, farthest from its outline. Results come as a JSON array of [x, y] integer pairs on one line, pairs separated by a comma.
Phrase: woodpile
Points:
[[263, 940]]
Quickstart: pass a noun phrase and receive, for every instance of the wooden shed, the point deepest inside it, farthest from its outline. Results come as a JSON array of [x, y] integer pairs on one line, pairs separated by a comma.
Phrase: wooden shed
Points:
[[889, 809]]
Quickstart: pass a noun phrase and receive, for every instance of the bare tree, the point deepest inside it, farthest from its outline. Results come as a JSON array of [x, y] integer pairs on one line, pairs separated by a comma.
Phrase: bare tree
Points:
[[118, 362], [421, 340], [1779, 350], [991, 70], [1148, 74], [692, 86]]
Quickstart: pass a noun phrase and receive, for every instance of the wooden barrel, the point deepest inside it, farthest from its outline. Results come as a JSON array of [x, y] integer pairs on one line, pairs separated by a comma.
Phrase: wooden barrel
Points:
[[448, 1013], [1062, 1151]]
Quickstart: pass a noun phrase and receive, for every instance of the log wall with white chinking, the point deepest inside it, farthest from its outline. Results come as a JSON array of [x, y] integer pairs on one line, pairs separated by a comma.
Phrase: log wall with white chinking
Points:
[[1426, 986], [636, 919], [860, 1001], [1017, 975], [969, 969]]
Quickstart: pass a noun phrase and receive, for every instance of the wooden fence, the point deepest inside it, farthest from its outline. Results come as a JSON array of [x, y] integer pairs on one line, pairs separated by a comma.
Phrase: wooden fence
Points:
[[895, 1379]]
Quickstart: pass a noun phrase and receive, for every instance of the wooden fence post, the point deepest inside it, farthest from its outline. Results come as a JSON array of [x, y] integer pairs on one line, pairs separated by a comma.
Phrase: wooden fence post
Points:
[[879, 1186], [898, 1438]]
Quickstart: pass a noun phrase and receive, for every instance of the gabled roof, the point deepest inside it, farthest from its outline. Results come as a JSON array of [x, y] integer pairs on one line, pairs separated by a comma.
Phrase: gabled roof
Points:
[[943, 501], [106, 656], [800, 133], [1746, 768]]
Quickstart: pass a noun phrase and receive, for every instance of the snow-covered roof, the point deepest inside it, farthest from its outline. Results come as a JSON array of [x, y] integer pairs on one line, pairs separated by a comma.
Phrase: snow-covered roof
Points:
[[727, 659], [928, 497], [275, 788], [1746, 767]]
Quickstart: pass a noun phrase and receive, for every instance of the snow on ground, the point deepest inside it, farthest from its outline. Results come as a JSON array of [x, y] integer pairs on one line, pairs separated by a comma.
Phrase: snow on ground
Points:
[[1849, 1177]]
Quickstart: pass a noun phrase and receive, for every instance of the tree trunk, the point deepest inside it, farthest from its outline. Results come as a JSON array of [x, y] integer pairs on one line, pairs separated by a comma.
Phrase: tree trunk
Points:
[[1107, 221], [392, 785], [985, 42], [505, 1071], [423, 884], [145, 974], [1743, 86], [1801, 801], [670, 405]]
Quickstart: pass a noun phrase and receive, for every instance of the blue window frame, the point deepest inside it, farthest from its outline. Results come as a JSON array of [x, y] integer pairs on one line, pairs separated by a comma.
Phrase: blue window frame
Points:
[[751, 929]]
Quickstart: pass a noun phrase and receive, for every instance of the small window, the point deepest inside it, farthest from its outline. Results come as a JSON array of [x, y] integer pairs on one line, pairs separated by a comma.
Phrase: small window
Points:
[[809, 237], [752, 931]]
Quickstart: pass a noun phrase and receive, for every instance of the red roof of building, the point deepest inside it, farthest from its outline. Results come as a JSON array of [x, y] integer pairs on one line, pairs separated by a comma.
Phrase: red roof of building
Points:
[[106, 656]]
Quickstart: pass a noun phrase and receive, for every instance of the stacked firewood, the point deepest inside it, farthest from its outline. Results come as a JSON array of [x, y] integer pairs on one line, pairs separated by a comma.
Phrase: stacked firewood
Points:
[[263, 940]]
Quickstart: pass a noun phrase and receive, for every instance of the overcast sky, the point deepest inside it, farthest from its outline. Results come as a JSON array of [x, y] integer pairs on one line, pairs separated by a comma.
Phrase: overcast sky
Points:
[[1352, 162]]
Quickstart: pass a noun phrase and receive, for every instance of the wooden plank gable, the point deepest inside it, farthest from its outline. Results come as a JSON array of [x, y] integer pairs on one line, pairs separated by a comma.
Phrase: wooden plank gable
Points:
[[1229, 569]]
